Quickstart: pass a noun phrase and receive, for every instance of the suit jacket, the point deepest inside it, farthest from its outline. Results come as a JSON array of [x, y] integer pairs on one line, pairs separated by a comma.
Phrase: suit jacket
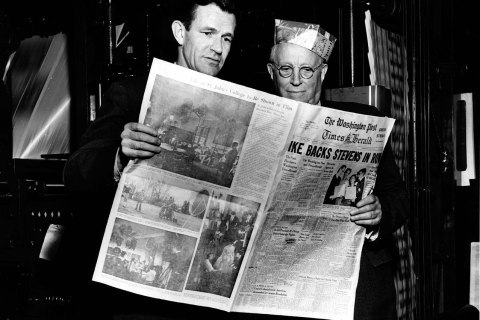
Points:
[[375, 296], [88, 175], [90, 168]]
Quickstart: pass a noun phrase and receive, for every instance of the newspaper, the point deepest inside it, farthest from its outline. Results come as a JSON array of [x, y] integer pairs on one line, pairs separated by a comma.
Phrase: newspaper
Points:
[[241, 210]]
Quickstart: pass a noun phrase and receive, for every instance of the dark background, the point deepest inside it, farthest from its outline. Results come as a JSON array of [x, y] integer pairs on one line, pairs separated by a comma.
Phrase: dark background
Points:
[[442, 53]]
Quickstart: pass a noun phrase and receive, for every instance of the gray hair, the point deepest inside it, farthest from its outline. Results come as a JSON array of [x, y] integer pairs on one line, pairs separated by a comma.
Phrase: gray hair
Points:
[[273, 53]]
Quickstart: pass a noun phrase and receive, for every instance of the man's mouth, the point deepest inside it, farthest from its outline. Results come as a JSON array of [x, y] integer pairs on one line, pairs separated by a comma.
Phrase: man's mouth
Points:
[[213, 60], [295, 92]]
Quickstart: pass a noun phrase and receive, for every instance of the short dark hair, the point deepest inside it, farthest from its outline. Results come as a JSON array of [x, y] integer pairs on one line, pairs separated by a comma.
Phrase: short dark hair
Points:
[[363, 170], [186, 9]]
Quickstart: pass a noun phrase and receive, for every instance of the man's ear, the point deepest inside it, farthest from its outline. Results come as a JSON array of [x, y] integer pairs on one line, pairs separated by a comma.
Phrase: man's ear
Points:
[[178, 30], [324, 71], [270, 70]]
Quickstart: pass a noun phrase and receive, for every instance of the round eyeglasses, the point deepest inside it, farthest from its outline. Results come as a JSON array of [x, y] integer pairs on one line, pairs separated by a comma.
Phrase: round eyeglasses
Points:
[[286, 71]]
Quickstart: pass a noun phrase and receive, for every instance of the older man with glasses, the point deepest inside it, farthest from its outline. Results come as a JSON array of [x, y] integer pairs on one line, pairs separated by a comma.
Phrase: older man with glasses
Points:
[[297, 72], [298, 67]]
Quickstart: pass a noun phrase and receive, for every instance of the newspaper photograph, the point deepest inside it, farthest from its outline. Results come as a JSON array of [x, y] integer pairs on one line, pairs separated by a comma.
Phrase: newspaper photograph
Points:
[[222, 245], [167, 201], [183, 221], [200, 139], [307, 256], [148, 256]]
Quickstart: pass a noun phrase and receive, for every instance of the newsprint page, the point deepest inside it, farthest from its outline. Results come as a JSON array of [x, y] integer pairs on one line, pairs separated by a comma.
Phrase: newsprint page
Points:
[[246, 208]]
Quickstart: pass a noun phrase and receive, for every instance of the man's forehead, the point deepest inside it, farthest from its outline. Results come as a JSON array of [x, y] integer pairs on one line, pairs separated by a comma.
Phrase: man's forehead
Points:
[[294, 54], [212, 17]]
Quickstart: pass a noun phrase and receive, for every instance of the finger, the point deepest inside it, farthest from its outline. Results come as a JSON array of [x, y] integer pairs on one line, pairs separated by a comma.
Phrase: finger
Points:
[[141, 145], [134, 149], [367, 223], [371, 203], [367, 200], [365, 215], [139, 127], [364, 209], [137, 154], [140, 137], [366, 219]]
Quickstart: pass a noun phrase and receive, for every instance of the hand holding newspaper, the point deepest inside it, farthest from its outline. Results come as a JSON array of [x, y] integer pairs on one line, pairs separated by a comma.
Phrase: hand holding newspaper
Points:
[[237, 212]]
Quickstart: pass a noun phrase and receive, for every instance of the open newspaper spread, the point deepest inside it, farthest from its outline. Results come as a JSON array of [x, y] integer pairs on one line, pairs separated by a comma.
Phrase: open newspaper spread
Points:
[[246, 208]]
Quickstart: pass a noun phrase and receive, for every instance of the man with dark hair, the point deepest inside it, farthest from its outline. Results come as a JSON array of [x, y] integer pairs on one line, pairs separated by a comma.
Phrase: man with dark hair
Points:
[[204, 33], [193, 51], [116, 136], [185, 10], [298, 64]]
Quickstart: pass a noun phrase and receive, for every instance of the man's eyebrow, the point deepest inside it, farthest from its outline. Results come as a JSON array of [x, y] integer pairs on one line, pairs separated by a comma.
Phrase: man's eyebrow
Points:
[[208, 29], [215, 30]]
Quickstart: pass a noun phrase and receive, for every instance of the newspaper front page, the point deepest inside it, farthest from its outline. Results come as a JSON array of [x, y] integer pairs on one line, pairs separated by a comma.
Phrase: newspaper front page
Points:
[[307, 256], [182, 222], [247, 206]]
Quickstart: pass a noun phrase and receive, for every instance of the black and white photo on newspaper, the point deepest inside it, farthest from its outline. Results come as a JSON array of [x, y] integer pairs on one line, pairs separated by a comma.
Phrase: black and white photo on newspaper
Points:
[[202, 131]]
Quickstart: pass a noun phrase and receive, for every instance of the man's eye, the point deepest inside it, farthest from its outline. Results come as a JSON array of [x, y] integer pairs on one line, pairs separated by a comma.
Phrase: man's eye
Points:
[[207, 33], [285, 69], [307, 69], [227, 40]]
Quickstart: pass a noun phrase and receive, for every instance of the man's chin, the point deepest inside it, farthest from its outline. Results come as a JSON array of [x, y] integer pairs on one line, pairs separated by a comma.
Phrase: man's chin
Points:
[[211, 70], [297, 96]]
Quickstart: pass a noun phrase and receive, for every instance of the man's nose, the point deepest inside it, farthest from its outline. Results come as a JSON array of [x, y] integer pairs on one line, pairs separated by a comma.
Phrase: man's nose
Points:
[[295, 78], [217, 45]]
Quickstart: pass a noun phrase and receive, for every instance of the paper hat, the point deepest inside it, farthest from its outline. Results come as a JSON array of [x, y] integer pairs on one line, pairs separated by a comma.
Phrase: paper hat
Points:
[[307, 35]]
